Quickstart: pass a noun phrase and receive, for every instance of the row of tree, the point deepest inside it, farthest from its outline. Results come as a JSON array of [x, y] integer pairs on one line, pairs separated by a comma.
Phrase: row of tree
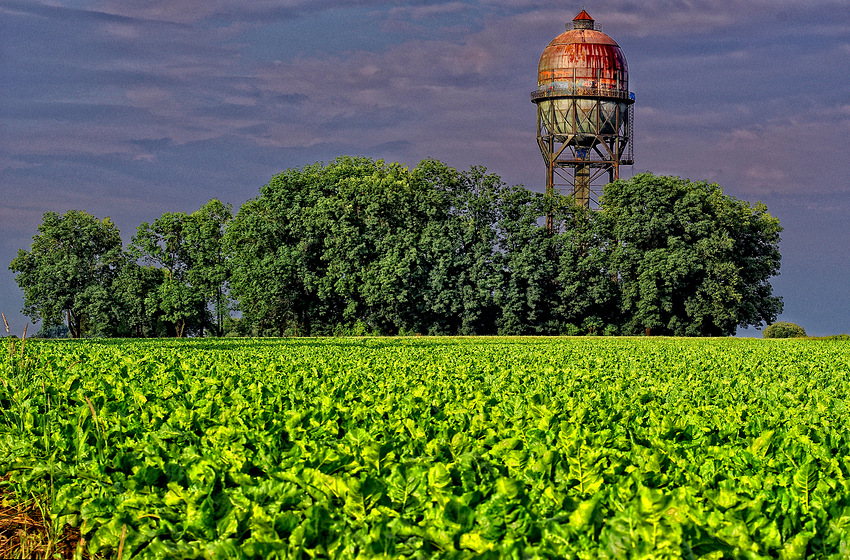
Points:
[[360, 246], [170, 281]]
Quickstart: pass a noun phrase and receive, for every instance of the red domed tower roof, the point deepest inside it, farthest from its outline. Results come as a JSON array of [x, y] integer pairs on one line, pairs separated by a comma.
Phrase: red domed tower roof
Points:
[[583, 57], [582, 15]]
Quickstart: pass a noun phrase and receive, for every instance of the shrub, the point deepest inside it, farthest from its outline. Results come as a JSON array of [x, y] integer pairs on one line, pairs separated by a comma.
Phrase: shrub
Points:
[[842, 337], [781, 329], [53, 331], [592, 325], [571, 330], [358, 328]]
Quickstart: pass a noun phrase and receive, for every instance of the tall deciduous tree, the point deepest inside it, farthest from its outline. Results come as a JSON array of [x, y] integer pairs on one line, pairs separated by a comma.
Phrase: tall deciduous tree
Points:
[[459, 249], [136, 290], [371, 223], [363, 242], [188, 247], [529, 264], [66, 274], [209, 271], [690, 260], [164, 244], [588, 298], [275, 247]]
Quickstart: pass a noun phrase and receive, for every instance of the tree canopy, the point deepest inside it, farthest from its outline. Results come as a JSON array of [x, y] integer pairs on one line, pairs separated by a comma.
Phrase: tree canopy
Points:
[[361, 246], [690, 260], [66, 274], [435, 250], [188, 249]]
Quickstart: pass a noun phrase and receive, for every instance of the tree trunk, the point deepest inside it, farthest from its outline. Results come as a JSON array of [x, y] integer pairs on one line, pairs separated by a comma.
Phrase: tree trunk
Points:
[[74, 324], [219, 315]]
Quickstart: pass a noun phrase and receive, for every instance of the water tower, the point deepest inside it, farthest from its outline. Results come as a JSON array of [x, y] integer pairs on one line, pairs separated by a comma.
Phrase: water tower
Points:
[[584, 111]]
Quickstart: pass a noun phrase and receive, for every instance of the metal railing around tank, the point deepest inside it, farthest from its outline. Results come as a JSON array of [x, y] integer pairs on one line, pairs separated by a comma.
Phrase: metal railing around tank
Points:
[[576, 91], [572, 25]]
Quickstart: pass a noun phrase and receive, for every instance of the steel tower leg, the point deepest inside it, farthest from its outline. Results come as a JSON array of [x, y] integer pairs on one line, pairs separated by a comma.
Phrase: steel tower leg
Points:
[[581, 190], [550, 192]]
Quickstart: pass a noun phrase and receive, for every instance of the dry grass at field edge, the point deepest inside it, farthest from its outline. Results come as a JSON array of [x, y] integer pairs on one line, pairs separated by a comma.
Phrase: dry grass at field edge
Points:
[[24, 533]]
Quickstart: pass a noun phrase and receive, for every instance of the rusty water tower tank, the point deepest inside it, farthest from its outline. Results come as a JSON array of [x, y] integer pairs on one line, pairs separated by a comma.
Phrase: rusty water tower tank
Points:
[[584, 110]]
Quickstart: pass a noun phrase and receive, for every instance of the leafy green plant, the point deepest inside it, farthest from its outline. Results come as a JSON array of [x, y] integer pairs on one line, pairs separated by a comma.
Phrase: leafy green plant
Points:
[[422, 447]]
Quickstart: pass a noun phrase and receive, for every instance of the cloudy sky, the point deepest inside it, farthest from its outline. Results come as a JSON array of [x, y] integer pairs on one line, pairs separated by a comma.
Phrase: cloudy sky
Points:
[[133, 109]]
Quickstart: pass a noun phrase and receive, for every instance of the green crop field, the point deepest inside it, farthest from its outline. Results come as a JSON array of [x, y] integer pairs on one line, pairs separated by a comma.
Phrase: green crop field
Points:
[[434, 447]]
